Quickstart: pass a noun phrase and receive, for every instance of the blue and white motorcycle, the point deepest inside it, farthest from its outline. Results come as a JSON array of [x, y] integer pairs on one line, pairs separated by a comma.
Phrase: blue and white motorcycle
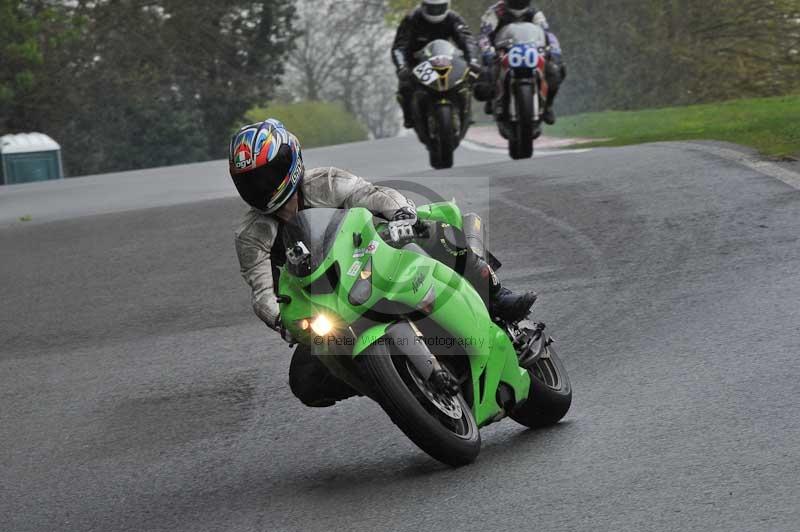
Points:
[[521, 87]]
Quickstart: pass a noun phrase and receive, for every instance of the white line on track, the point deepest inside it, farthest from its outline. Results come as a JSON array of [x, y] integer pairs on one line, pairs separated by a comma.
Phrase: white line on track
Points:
[[502, 151], [753, 162]]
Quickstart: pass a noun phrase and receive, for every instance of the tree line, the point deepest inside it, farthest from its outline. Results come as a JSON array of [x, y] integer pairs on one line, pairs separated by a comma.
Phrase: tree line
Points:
[[631, 54], [125, 84]]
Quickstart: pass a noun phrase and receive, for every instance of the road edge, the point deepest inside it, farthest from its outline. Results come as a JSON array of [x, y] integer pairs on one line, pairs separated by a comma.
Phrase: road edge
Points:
[[748, 160]]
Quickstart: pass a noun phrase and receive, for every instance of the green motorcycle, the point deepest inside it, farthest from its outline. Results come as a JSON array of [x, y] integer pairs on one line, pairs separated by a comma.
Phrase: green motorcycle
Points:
[[386, 318]]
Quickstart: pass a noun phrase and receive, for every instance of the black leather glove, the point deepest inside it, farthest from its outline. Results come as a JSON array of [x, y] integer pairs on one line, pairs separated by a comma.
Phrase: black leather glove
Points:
[[404, 74], [405, 213], [401, 226]]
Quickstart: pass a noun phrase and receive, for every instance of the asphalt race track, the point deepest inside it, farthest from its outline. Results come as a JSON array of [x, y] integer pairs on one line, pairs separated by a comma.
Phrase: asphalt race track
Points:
[[139, 392]]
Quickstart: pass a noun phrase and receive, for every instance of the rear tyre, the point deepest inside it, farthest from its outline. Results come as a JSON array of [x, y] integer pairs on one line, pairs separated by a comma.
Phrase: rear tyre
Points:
[[550, 395], [443, 139], [402, 395], [521, 145]]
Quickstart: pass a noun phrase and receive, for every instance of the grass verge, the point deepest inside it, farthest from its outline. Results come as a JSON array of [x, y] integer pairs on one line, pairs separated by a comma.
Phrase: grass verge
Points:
[[771, 125]]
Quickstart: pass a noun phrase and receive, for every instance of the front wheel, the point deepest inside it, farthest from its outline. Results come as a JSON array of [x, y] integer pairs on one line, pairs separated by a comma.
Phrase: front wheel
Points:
[[443, 138], [550, 395], [443, 426], [520, 146]]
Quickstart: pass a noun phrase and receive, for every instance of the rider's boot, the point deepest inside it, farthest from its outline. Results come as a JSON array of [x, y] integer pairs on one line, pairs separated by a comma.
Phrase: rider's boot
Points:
[[555, 74], [510, 307], [408, 115], [501, 302], [549, 116]]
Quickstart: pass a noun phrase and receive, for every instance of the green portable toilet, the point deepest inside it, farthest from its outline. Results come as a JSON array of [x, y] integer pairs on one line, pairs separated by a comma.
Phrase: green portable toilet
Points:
[[27, 157]]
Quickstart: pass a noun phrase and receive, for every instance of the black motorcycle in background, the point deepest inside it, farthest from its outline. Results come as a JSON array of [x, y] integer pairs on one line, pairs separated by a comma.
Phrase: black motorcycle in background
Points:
[[442, 100], [521, 87]]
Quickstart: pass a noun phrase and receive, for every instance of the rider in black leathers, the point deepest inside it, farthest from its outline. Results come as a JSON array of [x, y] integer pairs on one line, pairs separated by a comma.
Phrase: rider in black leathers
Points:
[[432, 19]]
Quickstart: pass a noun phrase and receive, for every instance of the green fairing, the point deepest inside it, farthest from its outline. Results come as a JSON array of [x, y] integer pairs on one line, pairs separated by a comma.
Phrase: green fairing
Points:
[[446, 212], [369, 337], [405, 277]]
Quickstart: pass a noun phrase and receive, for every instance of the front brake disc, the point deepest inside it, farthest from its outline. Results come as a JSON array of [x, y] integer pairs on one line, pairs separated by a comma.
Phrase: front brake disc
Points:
[[448, 405]]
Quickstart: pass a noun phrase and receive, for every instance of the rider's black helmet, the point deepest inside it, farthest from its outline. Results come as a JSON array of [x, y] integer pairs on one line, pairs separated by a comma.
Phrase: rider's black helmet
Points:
[[517, 7]]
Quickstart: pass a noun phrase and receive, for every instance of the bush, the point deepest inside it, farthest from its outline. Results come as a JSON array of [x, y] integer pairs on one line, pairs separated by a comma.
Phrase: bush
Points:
[[314, 123]]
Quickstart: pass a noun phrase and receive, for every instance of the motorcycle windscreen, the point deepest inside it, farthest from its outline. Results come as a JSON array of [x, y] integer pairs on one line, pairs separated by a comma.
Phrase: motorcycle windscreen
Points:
[[521, 33], [309, 237], [447, 60], [440, 47], [456, 73]]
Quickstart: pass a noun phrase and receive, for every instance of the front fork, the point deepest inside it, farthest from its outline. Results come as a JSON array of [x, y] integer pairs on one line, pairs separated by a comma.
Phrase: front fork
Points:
[[494, 368], [512, 98], [405, 337]]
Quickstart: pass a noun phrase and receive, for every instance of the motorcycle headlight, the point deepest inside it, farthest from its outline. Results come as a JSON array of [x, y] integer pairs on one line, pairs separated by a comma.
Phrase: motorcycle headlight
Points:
[[321, 325]]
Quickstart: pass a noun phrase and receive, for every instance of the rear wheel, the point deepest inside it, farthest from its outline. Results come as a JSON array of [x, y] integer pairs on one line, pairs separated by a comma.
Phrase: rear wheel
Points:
[[550, 395], [443, 138], [521, 145], [441, 425]]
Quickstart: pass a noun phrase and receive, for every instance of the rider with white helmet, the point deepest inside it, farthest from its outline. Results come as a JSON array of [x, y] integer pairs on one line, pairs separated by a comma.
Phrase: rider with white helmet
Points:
[[431, 20]]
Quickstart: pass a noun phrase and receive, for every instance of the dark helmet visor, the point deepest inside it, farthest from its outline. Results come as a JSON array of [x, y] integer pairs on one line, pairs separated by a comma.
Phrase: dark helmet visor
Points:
[[518, 4], [435, 10], [258, 186]]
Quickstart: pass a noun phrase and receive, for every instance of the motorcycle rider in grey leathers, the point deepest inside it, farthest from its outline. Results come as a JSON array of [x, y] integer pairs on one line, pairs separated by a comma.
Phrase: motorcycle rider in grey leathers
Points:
[[266, 166]]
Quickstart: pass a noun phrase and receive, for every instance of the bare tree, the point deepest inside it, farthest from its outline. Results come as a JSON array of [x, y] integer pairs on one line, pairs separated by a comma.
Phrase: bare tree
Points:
[[342, 54]]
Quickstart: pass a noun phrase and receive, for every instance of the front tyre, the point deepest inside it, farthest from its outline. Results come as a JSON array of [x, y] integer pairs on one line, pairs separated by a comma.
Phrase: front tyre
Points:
[[443, 138], [550, 395], [521, 144], [442, 426]]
